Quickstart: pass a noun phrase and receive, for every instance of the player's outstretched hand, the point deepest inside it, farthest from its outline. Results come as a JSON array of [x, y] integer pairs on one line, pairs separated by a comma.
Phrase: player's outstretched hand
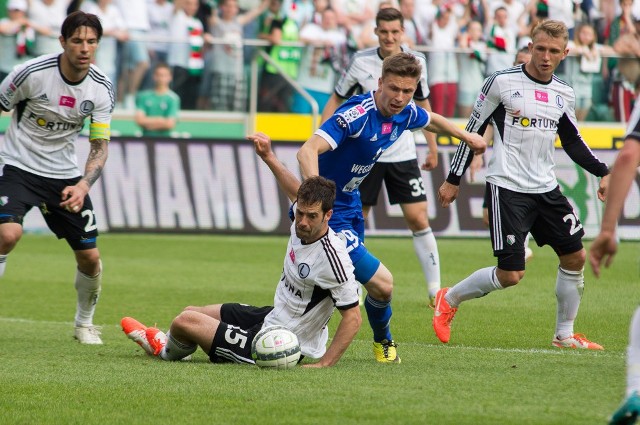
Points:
[[447, 193], [603, 248], [604, 187], [261, 143]]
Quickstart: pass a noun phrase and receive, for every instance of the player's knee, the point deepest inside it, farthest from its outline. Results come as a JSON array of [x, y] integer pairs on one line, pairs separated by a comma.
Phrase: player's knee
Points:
[[573, 261], [509, 278], [10, 235], [89, 261]]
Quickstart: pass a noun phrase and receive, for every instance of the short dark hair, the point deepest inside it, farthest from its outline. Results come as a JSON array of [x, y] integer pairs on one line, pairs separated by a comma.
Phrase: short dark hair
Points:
[[389, 14], [402, 64], [317, 189], [79, 19]]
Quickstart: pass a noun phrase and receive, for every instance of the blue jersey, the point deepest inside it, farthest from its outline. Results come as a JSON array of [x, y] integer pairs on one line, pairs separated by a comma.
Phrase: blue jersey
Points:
[[358, 134]]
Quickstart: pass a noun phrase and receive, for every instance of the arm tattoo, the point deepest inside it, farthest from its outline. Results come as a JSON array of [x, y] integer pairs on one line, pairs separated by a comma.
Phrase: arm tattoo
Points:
[[95, 161]]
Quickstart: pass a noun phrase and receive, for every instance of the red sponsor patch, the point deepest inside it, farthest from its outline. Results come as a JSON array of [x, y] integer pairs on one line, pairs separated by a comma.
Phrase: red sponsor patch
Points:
[[67, 101], [542, 96], [386, 127], [360, 109], [292, 255]]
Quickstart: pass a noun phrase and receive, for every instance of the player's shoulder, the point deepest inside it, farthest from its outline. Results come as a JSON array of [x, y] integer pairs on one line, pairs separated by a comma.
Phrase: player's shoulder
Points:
[[36, 67], [98, 77], [419, 55], [365, 54], [356, 108]]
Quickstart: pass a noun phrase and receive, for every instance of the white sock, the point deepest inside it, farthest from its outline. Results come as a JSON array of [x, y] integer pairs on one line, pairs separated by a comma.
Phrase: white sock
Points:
[[480, 283], [176, 350], [3, 264], [526, 240], [426, 249], [88, 289], [569, 287], [633, 354]]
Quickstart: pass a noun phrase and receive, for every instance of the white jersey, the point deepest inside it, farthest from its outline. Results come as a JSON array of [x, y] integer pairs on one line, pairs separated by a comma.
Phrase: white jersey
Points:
[[316, 278], [362, 76], [49, 114], [527, 115]]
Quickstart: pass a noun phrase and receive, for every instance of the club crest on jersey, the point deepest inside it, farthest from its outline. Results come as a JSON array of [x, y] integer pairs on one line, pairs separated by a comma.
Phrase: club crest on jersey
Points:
[[354, 113], [86, 106], [67, 101], [542, 96], [559, 101], [394, 135], [304, 270], [386, 127]]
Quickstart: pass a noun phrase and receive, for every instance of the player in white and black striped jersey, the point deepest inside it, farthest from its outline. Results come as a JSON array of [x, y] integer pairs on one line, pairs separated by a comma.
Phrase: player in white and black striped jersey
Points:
[[528, 106], [51, 97], [317, 278]]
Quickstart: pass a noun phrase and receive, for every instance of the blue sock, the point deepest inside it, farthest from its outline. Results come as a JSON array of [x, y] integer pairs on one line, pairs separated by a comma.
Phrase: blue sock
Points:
[[379, 314]]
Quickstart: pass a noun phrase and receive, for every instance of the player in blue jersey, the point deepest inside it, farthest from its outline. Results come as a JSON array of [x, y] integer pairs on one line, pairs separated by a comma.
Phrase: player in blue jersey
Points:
[[345, 148]]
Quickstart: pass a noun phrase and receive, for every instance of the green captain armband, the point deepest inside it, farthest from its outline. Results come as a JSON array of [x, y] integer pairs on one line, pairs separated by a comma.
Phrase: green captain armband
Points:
[[99, 130]]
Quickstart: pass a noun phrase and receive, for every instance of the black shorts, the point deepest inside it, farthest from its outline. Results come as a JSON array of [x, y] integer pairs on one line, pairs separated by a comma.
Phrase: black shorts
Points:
[[403, 181], [548, 216], [239, 323], [20, 191]]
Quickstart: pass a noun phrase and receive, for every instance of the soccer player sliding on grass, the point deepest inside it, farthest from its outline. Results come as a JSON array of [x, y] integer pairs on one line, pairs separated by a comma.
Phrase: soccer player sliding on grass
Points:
[[528, 106], [317, 277]]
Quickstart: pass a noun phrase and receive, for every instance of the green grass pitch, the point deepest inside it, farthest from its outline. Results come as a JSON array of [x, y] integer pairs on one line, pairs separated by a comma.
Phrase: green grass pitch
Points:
[[499, 367]]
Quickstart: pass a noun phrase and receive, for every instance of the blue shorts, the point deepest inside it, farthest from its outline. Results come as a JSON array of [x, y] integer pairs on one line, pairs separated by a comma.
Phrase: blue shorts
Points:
[[350, 228]]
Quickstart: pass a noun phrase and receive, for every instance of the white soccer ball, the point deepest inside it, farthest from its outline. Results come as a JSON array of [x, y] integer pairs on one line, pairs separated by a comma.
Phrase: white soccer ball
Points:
[[277, 347]]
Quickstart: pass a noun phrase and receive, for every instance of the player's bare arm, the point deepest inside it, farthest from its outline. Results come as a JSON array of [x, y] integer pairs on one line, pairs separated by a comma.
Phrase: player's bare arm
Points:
[[288, 182], [330, 107], [308, 155], [73, 196], [347, 330], [605, 246], [441, 125], [431, 160]]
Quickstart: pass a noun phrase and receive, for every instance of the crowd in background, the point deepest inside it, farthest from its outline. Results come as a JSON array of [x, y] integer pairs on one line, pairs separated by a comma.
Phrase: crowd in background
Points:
[[208, 46]]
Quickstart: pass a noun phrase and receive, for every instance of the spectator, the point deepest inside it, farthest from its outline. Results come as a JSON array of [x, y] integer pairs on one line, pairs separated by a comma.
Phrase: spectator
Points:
[[134, 58], [160, 14], [622, 94], [472, 67], [501, 42], [582, 67], [354, 15], [414, 33], [516, 15], [627, 45], [442, 63], [317, 75], [157, 109], [275, 92], [15, 31], [46, 17], [114, 30], [224, 85], [185, 52]]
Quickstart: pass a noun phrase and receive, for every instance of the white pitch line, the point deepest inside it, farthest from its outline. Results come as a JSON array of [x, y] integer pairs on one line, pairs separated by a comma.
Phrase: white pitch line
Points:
[[555, 352]]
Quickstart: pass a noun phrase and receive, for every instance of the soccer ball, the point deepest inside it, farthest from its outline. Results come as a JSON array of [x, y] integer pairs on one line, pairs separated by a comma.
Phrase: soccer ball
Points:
[[277, 347]]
